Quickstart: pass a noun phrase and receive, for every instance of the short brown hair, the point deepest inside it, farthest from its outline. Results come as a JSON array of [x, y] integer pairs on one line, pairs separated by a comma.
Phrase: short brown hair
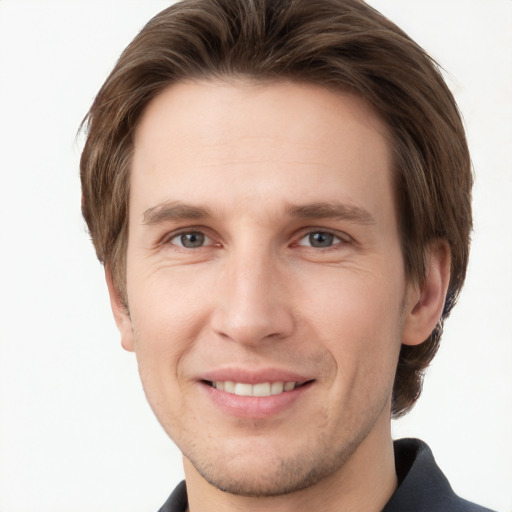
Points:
[[339, 44]]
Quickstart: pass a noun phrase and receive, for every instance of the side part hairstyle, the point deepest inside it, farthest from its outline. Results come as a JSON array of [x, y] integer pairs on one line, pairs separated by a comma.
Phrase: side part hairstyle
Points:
[[343, 45]]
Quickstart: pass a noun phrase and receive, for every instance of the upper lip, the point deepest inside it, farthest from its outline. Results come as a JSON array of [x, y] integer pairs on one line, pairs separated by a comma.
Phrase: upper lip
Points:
[[251, 376]]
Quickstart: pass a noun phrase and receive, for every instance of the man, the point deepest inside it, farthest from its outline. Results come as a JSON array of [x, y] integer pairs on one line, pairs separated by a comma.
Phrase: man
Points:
[[280, 193]]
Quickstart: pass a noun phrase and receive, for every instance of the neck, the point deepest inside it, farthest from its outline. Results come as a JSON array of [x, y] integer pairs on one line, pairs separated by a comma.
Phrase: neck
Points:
[[364, 483]]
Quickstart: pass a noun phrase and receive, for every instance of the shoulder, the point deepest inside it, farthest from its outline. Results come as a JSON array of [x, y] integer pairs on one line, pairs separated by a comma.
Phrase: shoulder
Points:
[[422, 485]]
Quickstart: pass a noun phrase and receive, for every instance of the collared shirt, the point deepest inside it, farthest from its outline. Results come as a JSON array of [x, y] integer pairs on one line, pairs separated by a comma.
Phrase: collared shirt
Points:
[[422, 486]]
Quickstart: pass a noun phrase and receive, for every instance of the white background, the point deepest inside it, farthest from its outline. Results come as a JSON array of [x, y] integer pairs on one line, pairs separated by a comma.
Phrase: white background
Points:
[[75, 431]]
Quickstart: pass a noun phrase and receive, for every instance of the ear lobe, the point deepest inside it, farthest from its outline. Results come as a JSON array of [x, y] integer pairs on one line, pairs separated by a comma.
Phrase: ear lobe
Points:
[[121, 315], [425, 303]]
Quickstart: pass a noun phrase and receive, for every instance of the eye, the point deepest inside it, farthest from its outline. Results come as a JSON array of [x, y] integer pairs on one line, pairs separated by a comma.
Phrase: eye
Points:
[[320, 239], [190, 239]]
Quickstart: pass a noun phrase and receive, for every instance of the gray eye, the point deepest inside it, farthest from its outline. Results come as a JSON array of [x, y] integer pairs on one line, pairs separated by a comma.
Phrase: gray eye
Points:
[[190, 240], [320, 239]]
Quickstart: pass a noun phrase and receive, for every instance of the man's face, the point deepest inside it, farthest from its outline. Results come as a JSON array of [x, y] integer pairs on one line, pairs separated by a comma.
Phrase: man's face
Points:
[[264, 257]]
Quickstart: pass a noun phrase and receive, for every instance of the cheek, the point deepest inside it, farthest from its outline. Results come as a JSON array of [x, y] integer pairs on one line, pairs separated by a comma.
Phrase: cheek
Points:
[[358, 316], [164, 333], [169, 298], [168, 313], [352, 298]]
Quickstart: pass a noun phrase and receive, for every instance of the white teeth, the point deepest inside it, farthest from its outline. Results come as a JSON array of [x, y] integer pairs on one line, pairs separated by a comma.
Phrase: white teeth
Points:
[[242, 389], [260, 389], [229, 386], [276, 388]]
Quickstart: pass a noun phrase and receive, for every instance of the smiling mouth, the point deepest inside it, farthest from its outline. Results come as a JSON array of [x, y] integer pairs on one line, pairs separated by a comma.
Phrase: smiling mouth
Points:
[[260, 389]]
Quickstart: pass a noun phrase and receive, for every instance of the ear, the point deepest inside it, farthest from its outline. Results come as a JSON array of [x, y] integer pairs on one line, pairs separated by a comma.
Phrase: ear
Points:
[[425, 303], [121, 315]]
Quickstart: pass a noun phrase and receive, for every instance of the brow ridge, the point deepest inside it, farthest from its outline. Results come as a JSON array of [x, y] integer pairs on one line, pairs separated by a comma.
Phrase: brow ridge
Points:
[[174, 210], [334, 210]]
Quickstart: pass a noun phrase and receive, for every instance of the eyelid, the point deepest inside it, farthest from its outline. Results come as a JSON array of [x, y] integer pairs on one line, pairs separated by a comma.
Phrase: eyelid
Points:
[[343, 237], [168, 237], [207, 240]]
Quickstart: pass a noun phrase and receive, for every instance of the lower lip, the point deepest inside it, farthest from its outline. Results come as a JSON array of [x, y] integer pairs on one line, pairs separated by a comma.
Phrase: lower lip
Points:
[[256, 407]]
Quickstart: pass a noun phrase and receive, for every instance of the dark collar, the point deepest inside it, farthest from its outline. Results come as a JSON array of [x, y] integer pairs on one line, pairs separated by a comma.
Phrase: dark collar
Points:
[[422, 487]]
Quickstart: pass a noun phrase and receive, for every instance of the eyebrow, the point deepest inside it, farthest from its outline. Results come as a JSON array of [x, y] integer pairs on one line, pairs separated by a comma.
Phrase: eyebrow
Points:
[[176, 210], [331, 210], [173, 210]]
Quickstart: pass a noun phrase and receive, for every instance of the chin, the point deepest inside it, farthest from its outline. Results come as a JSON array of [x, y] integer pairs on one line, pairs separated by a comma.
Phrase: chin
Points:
[[276, 475], [289, 478]]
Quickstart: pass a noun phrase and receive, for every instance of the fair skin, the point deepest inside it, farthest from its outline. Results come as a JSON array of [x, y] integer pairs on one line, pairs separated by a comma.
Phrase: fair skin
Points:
[[264, 250]]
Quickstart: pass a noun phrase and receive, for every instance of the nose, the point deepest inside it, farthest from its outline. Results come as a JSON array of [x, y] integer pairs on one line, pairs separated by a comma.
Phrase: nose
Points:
[[253, 304]]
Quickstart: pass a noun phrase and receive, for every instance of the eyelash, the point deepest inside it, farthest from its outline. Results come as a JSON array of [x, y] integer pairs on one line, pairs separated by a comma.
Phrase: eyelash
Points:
[[335, 239]]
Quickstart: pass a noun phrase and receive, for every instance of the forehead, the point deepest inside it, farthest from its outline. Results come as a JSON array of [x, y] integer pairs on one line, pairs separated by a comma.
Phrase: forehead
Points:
[[288, 141], [204, 109]]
